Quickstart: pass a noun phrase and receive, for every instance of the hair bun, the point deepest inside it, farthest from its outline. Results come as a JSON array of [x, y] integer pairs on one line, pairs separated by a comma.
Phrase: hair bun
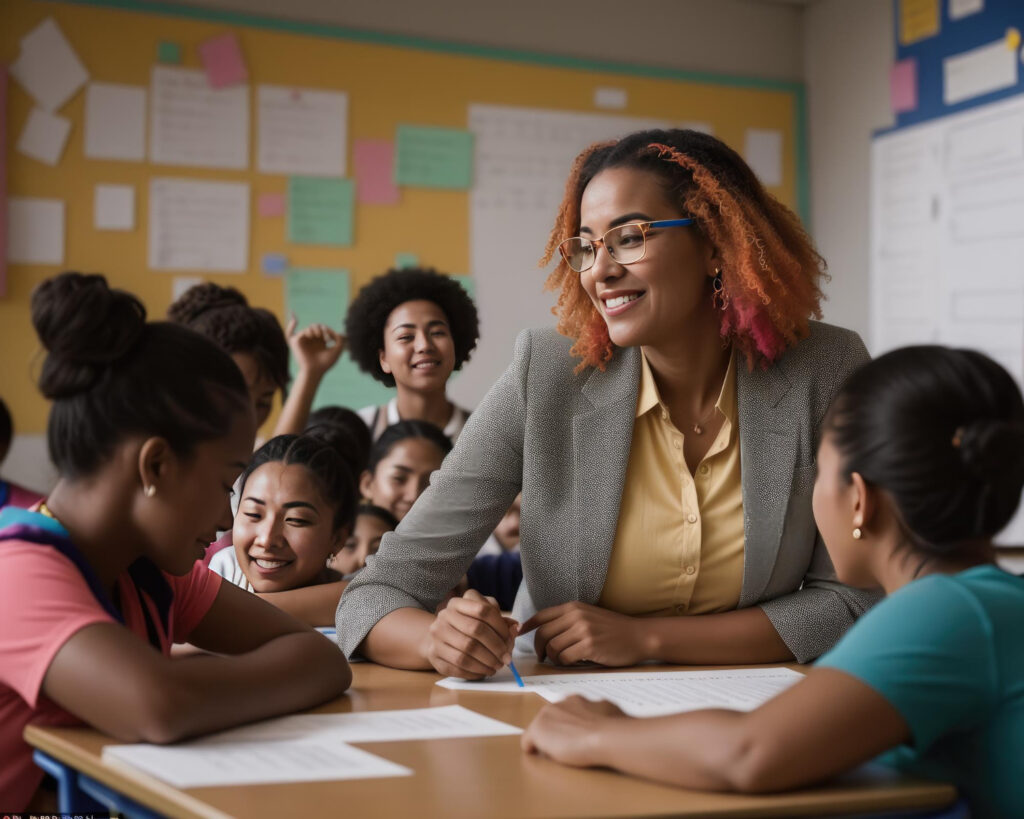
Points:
[[85, 326], [202, 298], [993, 452]]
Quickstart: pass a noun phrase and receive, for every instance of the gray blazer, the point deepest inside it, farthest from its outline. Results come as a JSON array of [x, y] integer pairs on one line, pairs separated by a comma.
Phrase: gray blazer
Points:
[[564, 439]]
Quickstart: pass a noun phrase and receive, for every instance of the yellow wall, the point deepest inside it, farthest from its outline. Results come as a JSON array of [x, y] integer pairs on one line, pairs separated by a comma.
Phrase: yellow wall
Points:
[[386, 85]]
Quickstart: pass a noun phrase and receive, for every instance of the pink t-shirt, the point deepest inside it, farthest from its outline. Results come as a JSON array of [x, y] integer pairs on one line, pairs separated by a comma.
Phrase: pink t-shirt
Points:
[[44, 601]]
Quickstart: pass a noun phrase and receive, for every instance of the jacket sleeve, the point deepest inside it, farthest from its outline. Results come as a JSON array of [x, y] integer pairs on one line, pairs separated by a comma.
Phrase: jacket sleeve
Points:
[[429, 552], [812, 619]]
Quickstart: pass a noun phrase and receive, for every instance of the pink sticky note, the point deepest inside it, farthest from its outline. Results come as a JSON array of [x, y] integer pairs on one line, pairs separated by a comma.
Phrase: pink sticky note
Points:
[[223, 61], [374, 171], [3, 180], [903, 86], [270, 204]]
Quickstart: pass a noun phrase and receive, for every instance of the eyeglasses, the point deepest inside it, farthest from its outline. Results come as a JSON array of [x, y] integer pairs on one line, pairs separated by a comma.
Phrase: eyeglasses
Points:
[[626, 244]]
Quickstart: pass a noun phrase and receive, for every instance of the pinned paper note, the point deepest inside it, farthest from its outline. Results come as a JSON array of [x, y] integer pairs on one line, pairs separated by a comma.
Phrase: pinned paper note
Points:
[[468, 284], [180, 285], [762, 148], [320, 211], [115, 122], [193, 124], [114, 207], [168, 53], [981, 70], [301, 131], [274, 264], [405, 260], [48, 67], [222, 58], [919, 19], [614, 99], [962, 8], [427, 157], [903, 86], [35, 230], [374, 161], [44, 136], [270, 204], [196, 225]]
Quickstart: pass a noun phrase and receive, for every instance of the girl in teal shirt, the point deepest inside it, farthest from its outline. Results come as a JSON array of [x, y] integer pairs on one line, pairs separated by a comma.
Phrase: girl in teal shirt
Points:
[[921, 463]]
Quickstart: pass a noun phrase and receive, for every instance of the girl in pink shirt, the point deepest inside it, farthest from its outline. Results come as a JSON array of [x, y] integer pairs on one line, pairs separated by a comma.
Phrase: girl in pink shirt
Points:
[[151, 423]]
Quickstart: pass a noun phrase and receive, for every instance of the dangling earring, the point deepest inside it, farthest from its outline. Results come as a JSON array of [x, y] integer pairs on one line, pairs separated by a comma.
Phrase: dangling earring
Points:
[[150, 491], [857, 533], [717, 296]]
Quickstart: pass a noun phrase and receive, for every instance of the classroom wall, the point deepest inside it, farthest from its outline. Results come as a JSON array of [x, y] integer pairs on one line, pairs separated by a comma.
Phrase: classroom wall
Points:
[[847, 54]]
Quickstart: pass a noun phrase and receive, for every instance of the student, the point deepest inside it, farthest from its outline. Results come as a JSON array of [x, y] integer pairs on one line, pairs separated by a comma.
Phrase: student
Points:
[[410, 329], [505, 537], [150, 425], [372, 523], [921, 464], [10, 493], [400, 465], [254, 339]]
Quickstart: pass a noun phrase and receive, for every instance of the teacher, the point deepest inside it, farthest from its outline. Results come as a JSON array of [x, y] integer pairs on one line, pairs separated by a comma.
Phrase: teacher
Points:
[[663, 440]]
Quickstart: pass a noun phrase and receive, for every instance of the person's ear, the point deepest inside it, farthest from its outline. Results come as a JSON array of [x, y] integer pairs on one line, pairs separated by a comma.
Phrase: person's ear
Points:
[[864, 502], [366, 483], [339, 539], [157, 465], [712, 259], [383, 361]]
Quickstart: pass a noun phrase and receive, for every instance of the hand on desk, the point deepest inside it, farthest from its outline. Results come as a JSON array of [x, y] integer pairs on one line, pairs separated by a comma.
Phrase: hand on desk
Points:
[[470, 638], [570, 731], [578, 632]]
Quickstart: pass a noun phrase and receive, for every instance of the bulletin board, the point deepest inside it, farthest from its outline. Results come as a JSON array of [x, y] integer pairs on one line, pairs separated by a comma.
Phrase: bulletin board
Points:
[[390, 81]]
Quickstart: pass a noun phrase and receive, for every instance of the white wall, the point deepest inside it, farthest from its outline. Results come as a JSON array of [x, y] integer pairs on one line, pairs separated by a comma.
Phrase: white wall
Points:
[[848, 49]]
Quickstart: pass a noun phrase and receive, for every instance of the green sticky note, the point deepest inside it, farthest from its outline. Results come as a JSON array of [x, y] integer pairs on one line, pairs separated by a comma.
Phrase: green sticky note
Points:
[[468, 284], [320, 211], [427, 157], [322, 296], [404, 260], [168, 52]]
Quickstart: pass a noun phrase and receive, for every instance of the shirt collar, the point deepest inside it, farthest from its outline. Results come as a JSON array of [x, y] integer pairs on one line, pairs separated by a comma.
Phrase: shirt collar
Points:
[[648, 396]]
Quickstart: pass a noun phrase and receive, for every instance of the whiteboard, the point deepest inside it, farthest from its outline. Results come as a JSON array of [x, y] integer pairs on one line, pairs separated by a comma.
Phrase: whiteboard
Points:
[[947, 238]]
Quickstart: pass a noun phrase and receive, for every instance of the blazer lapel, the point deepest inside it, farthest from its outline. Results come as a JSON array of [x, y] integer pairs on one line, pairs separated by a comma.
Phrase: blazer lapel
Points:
[[767, 456], [602, 433]]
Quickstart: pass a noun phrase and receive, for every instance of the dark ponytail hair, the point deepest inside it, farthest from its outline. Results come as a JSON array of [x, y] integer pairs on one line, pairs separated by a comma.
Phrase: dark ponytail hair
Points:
[[332, 475], [942, 432], [400, 432], [112, 374], [223, 315]]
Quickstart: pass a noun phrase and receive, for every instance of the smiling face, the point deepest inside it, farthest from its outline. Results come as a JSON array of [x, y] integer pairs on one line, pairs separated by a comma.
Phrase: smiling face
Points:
[[261, 387], [419, 352], [646, 302], [284, 530], [402, 475], [365, 541]]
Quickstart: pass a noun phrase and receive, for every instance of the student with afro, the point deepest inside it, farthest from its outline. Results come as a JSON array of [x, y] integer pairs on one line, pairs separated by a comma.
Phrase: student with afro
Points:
[[410, 329]]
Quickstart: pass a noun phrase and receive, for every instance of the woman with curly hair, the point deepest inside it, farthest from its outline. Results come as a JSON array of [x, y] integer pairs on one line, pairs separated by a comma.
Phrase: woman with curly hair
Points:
[[410, 329], [664, 443]]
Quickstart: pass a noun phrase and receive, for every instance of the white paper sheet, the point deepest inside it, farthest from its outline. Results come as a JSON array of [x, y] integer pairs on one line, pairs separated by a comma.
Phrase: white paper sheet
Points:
[[762, 148], [44, 136], [194, 124], [301, 131], [35, 230], [961, 8], [979, 71], [48, 67], [614, 99], [182, 284], [653, 693], [114, 207], [197, 225], [445, 722], [199, 764], [115, 122]]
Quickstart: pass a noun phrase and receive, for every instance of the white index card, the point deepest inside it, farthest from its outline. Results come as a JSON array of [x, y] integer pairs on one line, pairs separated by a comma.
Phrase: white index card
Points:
[[762, 148], [196, 225], [48, 67], [35, 230], [115, 122], [114, 207], [44, 136], [301, 132]]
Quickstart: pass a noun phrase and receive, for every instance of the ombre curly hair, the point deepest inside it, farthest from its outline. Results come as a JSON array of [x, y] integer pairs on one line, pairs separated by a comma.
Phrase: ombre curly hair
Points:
[[770, 269]]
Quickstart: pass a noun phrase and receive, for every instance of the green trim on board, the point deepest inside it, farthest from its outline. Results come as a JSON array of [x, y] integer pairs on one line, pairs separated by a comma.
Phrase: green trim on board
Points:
[[491, 52]]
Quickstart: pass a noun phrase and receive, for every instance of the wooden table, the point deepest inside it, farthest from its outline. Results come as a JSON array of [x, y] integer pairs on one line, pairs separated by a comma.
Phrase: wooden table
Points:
[[475, 777]]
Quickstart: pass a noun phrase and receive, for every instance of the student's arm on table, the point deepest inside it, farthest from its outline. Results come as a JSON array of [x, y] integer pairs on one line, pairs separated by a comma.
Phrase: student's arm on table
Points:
[[316, 349], [313, 605], [797, 738], [110, 678]]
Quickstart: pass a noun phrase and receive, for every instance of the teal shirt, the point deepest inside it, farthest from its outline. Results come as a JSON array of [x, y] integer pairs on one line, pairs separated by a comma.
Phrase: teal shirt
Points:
[[947, 651]]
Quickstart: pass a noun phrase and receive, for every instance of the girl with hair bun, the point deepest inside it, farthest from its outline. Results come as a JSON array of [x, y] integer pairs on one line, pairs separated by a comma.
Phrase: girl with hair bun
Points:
[[150, 425], [253, 337], [920, 466]]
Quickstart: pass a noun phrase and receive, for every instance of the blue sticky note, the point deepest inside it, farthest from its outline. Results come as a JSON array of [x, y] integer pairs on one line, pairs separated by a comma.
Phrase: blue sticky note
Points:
[[404, 260], [274, 263]]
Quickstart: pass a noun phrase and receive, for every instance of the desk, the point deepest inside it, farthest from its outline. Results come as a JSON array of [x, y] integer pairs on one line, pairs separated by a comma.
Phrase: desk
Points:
[[474, 777]]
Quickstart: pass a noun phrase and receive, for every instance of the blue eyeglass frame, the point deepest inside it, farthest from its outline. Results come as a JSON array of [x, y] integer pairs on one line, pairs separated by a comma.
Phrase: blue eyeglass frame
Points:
[[644, 227]]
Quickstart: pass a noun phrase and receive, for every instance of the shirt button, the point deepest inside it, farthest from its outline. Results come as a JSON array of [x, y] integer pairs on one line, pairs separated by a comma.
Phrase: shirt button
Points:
[[680, 609], [690, 570], [677, 444], [664, 415], [692, 518], [705, 469]]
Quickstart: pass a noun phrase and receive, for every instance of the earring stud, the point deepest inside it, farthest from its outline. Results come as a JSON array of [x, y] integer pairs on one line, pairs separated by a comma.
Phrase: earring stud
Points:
[[857, 533], [150, 491]]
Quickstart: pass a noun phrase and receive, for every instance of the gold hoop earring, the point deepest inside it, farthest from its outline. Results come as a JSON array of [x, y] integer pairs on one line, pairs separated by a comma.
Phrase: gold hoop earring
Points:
[[857, 533], [150, 491]]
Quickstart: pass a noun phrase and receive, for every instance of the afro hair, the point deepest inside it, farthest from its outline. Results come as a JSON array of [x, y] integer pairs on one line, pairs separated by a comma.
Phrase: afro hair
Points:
[[369, 311]]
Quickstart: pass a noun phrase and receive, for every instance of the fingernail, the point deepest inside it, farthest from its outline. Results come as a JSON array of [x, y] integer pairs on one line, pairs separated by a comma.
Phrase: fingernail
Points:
[[507, 659]]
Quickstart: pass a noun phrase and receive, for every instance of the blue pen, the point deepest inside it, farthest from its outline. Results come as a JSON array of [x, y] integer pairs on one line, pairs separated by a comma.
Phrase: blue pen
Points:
[[519, 680]]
